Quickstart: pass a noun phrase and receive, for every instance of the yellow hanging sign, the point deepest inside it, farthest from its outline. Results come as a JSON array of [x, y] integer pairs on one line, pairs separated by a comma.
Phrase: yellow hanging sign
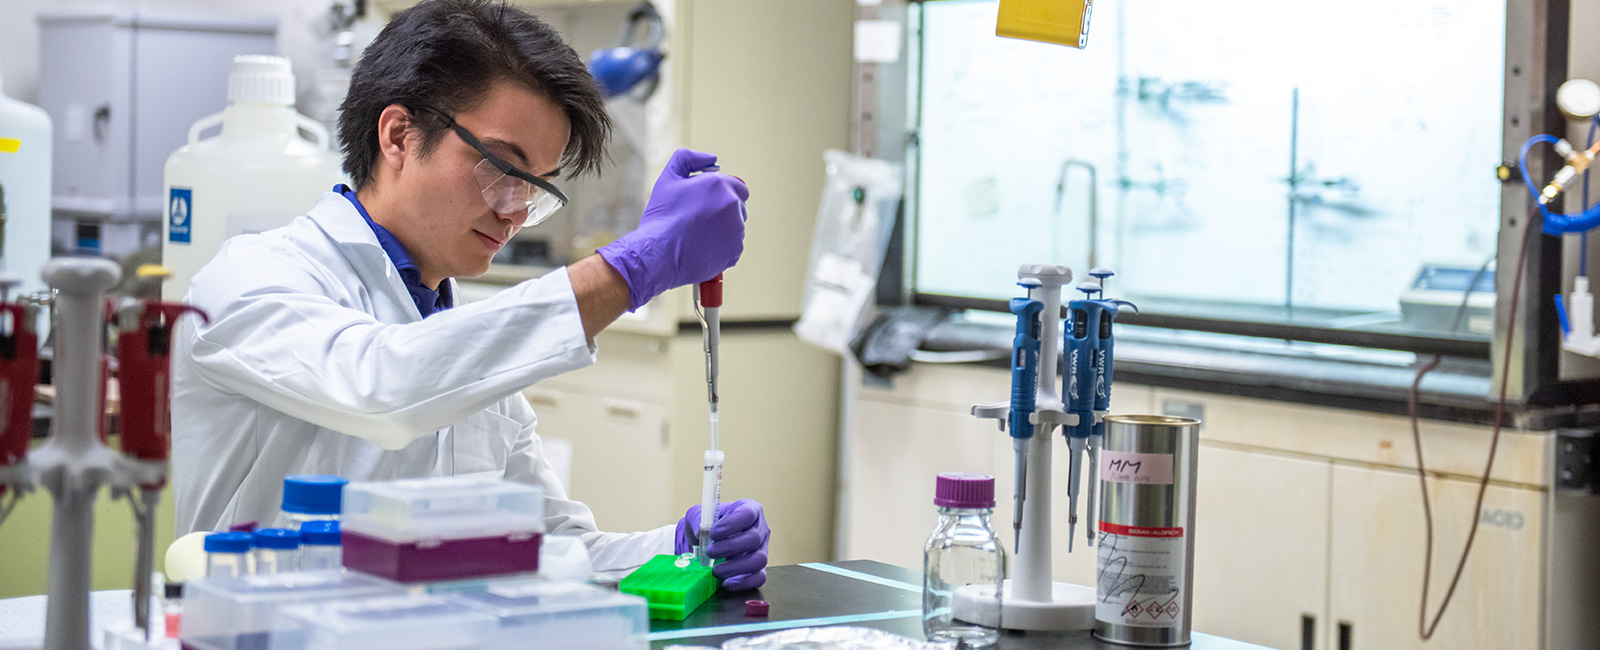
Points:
[[1063, 22], [9, 145]]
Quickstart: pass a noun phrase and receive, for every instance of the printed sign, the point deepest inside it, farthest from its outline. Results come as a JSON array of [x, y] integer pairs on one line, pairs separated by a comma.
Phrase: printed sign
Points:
[[1141, 573], [179, 204]]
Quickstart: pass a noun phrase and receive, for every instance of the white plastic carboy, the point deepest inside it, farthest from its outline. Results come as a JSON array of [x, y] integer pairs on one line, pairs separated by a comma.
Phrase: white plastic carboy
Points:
[[259, 173], [25, 150]]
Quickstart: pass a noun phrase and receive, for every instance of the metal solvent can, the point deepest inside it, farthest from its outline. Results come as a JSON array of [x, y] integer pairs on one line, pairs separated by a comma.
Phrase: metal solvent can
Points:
[[1146, 542]]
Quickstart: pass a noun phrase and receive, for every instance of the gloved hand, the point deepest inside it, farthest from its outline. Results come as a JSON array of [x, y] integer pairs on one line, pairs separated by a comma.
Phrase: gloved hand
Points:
[[692, 229], [738, 538]]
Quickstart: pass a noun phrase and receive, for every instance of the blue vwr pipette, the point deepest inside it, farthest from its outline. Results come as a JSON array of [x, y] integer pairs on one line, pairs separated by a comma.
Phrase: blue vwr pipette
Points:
[[1024, 389], [1088, 342]]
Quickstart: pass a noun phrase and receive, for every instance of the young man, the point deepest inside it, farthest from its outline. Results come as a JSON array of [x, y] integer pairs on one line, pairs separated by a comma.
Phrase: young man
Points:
[[336, 345]]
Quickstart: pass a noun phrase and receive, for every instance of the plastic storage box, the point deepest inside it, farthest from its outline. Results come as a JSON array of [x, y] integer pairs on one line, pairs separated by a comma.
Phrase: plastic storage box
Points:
[[442, 528], [674, 584], [383, 623], [546, 615], [237, 613]]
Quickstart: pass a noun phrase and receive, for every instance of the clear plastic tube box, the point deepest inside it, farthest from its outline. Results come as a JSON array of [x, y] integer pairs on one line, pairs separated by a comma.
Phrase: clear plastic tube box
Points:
[[423, 530]]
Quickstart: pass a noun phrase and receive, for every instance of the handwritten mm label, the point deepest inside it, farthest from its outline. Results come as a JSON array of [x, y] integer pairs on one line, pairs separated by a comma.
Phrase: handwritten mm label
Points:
[[1128, 467]]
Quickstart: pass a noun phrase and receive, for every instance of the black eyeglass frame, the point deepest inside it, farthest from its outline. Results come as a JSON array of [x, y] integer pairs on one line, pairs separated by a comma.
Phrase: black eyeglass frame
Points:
[[504, 167]]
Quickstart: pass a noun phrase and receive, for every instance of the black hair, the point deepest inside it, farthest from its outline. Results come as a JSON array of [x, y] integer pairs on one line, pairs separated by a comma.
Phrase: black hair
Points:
[[444, 55]]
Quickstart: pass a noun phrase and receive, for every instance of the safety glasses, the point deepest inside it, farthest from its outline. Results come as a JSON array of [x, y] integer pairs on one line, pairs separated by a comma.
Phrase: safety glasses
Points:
[[506, 189]]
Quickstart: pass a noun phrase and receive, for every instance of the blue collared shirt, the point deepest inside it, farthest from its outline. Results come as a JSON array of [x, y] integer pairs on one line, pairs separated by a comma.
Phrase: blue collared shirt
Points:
[[428, 300]]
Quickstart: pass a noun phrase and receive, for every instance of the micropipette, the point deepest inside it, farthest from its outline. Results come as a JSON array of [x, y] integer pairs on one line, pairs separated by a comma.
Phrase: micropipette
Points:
[[1024, 389], [707, 304], [1088, 342]]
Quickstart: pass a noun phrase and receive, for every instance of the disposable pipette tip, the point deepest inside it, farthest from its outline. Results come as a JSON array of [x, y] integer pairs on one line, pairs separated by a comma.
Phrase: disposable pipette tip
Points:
[[715, 425]]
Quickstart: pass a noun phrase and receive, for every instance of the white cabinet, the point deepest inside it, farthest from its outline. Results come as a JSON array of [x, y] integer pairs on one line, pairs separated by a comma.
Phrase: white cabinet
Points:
[[1376, 558], [1261, 543], [637, 425], [1309, 530], [899, 437], [612, 437]]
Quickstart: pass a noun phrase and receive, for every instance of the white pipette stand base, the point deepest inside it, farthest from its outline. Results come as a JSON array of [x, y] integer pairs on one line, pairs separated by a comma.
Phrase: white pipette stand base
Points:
[[1071, 609]]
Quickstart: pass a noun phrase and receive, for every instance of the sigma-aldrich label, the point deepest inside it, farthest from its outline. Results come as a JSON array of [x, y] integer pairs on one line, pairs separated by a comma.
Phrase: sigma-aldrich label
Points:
[[1141, 575]]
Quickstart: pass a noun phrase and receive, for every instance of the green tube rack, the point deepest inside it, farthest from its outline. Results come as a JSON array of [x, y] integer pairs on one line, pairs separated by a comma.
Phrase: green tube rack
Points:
[[673, 591]]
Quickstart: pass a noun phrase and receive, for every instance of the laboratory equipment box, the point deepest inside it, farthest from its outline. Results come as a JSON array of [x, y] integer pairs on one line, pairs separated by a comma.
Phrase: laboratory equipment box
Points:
[[551, 615], [421, 530], [123, 83], [238, 613], [415, 622]]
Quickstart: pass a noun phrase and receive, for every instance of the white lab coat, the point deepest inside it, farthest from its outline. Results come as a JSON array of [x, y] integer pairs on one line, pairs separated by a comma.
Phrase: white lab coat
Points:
[[316, 361]]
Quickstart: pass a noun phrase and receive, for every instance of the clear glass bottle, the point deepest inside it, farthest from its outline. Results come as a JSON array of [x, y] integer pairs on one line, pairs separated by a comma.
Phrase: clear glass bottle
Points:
[[227, 555], [319, 546], [277, 550], [963, 564], [312, 497]]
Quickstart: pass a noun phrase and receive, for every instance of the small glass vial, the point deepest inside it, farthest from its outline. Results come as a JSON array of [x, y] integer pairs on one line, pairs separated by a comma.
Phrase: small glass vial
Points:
[[319, 546], [227, 555], [963, 564], [172, 609], [277, 549], [312, 497]]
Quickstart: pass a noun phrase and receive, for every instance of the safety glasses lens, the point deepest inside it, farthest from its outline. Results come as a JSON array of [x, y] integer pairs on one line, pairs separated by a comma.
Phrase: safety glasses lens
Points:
[[508, 194]]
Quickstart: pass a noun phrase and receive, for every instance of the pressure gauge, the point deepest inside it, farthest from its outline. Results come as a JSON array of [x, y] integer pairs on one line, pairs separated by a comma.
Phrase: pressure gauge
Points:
[[1578, 99]]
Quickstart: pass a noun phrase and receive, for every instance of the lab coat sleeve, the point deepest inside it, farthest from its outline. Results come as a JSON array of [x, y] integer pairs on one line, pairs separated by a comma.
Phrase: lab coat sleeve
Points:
[[279, 336], [612, 554]]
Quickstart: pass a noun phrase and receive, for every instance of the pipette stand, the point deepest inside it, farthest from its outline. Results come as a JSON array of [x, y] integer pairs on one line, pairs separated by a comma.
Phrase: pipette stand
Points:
[[1031, 599], [74, 463]]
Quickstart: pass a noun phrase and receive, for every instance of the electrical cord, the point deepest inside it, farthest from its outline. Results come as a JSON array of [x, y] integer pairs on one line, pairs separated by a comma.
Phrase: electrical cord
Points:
[[1583, 239], [1425, 628]]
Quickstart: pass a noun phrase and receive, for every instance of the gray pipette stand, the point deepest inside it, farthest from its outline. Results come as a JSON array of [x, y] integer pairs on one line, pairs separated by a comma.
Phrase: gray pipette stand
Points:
[[73, 464]]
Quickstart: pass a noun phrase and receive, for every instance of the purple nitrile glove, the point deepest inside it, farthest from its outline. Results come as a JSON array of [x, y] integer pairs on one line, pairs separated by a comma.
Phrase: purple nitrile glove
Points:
[[692, 229], [739, 539]]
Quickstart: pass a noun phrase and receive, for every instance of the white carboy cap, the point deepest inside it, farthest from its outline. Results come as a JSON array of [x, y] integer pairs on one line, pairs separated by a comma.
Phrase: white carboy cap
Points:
[[261, 79]]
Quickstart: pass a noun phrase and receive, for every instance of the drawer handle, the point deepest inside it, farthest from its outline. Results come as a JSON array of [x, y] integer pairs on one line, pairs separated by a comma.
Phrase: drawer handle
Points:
[[1308, 632], [1346, 635], [542, 396], [624, 408]]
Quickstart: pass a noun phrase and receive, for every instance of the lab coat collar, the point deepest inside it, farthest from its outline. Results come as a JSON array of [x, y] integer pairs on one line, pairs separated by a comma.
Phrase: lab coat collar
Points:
[[339, 219]]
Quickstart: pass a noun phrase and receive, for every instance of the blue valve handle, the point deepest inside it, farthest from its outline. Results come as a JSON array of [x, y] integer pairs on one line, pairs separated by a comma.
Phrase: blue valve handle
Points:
[[1024, 397]]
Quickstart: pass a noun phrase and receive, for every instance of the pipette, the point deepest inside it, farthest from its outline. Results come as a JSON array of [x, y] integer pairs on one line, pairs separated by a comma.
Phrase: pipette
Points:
[[707, 304], [144, 348], [1077, 392], [1088, 342], [1024, 389]]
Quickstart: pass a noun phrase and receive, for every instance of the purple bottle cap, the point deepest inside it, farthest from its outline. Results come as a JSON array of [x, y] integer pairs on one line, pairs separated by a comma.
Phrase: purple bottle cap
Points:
[[964, 490]]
